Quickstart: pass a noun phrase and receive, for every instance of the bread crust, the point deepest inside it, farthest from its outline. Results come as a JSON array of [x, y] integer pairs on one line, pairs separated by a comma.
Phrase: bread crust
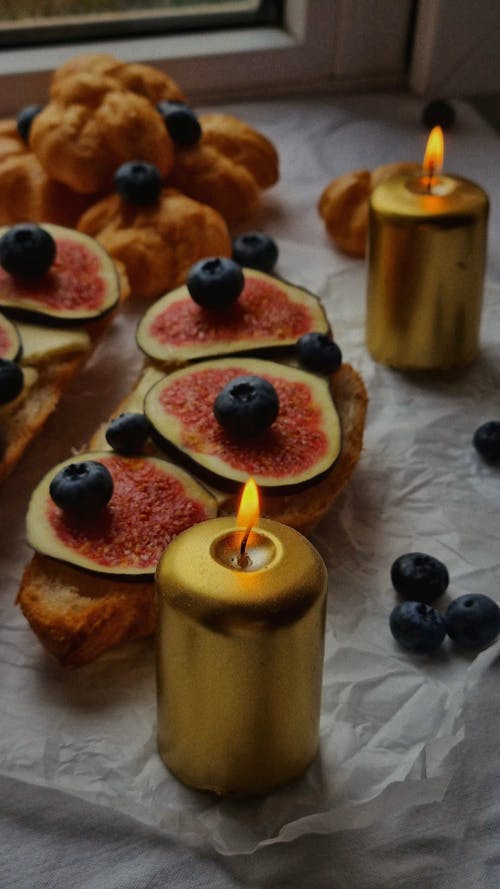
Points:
[[21, 425], [78, 615]]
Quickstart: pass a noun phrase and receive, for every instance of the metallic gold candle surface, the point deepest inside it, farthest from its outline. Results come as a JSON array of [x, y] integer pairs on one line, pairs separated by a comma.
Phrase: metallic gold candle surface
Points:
[[239, 656], [426, 260]]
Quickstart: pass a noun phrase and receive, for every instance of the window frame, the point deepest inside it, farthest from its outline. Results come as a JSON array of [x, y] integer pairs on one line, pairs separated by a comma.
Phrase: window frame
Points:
[[322, 45]]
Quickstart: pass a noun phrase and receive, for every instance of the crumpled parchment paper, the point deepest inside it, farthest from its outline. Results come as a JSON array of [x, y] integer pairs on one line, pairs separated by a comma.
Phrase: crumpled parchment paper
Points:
[[389, 719]]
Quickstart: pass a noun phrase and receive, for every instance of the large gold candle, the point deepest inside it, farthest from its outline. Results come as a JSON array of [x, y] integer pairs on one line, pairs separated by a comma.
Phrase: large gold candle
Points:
[[239, 655], [426, 260]]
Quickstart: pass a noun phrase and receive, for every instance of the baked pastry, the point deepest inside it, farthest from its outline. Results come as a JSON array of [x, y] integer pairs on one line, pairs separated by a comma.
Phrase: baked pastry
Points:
[[144, 80], [157, 243], [101, 114], [10, 140], [27, 194], [343, 204], [228, 168]]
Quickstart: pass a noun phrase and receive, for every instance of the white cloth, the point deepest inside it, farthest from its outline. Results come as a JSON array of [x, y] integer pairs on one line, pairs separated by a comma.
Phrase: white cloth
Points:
[[406, 792]]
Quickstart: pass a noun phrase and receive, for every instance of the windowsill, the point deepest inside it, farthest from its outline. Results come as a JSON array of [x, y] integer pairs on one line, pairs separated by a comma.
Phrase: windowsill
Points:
[[316, 49]]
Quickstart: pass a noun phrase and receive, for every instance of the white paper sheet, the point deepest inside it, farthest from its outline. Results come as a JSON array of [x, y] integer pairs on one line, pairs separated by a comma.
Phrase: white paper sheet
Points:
[[389, 719]]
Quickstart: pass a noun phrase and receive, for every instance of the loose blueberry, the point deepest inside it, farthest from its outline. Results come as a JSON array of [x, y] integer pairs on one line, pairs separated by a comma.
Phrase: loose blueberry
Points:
[[486, 440], [215, 282], [181, 122], [138, 182], [438, 113], [319, 353], [417, 627], [82, 488], [473, 621], [27, 250], [246, 406], [419, 577], [255, 250], [127, 433], [25, 118], [11, 380]]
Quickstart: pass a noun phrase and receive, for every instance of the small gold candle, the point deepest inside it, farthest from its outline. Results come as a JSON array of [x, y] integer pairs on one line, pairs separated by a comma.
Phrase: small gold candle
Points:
[[426, 261], [239, 655]]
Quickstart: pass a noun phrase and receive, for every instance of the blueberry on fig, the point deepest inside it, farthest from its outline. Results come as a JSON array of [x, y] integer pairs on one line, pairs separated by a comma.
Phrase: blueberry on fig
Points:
[[473, 621], [440, 113], [215, 282], [128, 433], [319, 353], [246, 406], [486, 440], [138, 182], [255, 250], [419, 576], [27, 250], [181, 122], [82, 489], [417, 627], [11, 380], [25, 118]]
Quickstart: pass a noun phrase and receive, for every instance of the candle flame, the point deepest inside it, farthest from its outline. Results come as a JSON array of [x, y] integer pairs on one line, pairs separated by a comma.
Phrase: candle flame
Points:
[[249, 509], [434, 153]]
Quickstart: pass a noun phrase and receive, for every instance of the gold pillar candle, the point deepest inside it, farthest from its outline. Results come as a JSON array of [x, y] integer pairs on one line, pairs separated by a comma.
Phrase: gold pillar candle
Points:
[[239, 656], [426, 260]]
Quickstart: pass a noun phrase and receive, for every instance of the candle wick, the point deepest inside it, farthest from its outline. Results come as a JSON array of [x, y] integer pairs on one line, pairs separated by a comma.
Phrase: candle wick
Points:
[[429, 178], [244, 541], [244, 559]]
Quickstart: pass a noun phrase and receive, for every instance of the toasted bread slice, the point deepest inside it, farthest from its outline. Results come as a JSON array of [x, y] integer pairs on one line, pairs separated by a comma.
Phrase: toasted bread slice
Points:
[[20, 425], [78, 615]]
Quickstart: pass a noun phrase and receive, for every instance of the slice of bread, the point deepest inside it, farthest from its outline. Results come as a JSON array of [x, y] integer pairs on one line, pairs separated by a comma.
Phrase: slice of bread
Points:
[[54, 352], [78, 615], [20, 425]]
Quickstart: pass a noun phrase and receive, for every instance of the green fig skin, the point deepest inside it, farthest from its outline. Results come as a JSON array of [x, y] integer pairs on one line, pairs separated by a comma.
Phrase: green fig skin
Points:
[[295, 452], [152, 502], [10, 341], [269, 314], [82, 284]]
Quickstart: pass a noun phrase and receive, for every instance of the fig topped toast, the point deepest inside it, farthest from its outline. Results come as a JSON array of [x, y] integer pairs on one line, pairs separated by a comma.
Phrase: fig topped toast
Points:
[[299, 432], [52, 314]]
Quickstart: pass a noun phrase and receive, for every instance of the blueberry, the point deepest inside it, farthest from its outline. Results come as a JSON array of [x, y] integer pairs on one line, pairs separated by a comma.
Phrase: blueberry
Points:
[[417, 627], [128, 433], [11, 380], [82, 488], [246, 406], [27, 250], [215, 282], [473, 621], [438, 113], [319, 353], [255, 250], [25, 118], [419, 576], [181, 122], [138, 182], [486, 440]]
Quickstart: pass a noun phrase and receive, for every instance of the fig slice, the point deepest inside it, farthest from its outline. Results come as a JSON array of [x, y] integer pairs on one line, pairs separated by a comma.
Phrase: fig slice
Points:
[[152, 502], [301, 445], [81, 284], [10, 341], [269, 313]]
